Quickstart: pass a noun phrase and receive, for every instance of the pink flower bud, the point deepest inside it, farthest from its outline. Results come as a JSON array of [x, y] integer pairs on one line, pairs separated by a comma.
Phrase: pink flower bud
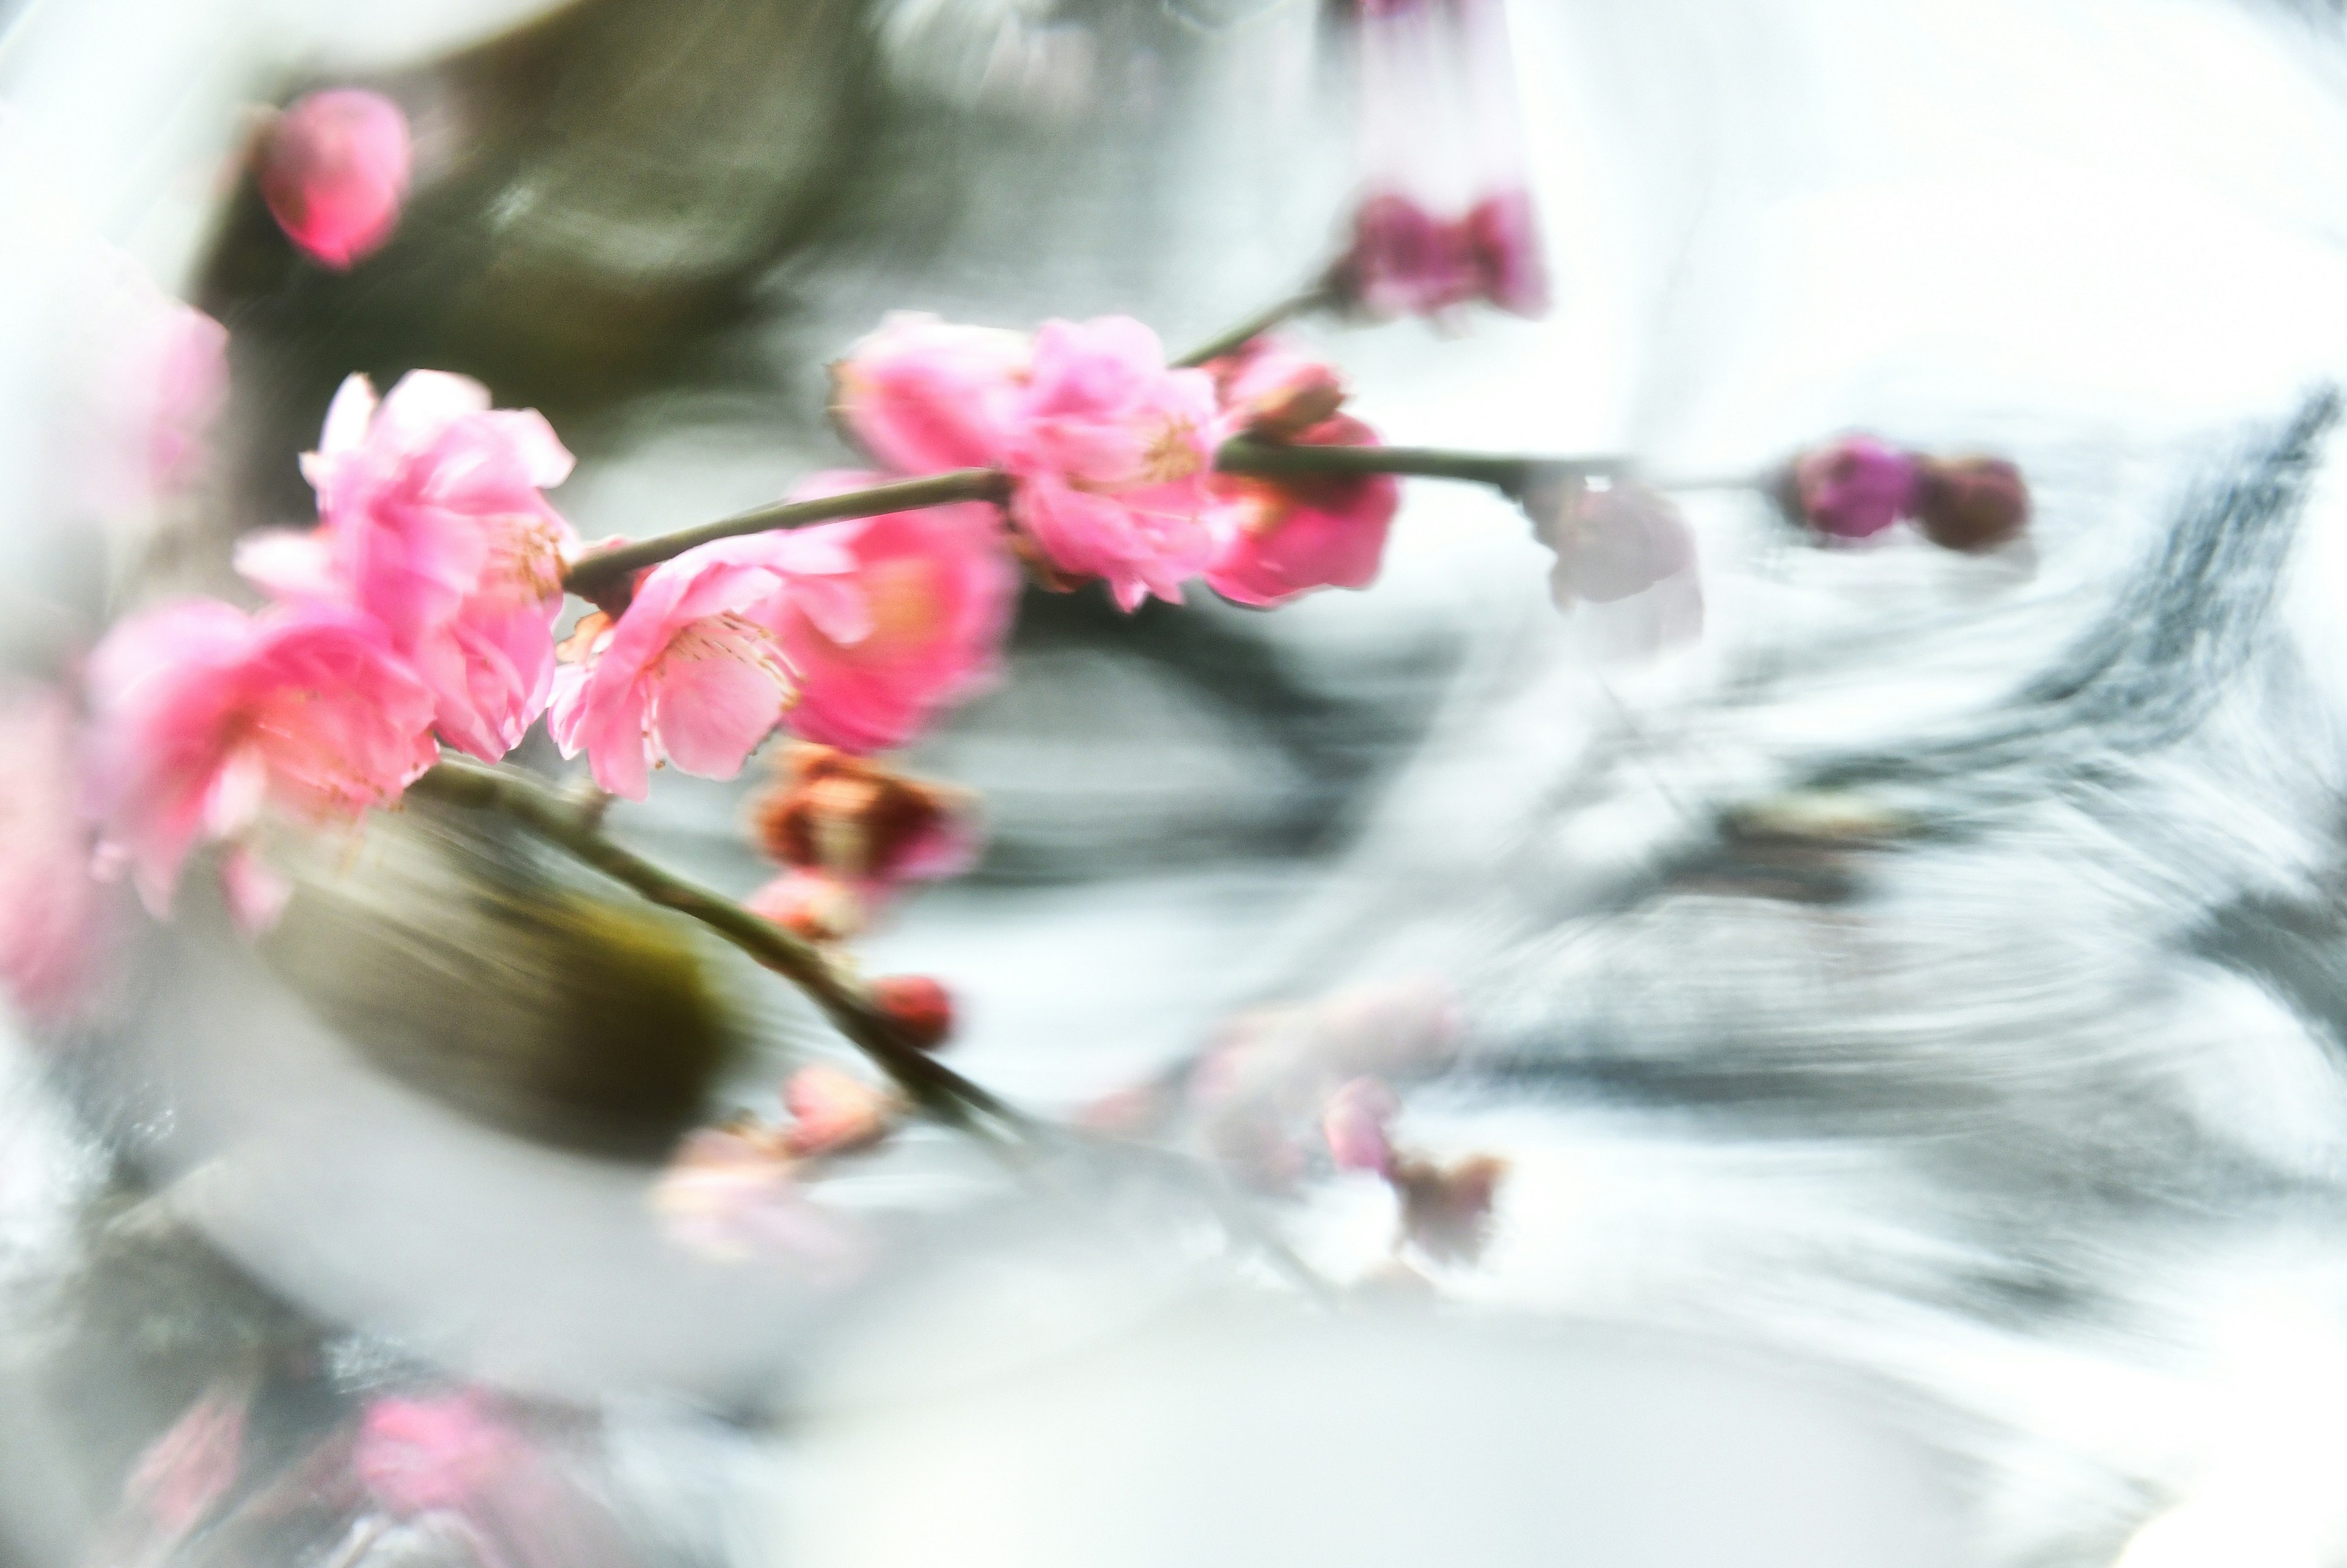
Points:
[[1854, 488], [834, 1112], [1971, 504], [1611, 541], [921, 1009], [1355, 1123], [334, 170]]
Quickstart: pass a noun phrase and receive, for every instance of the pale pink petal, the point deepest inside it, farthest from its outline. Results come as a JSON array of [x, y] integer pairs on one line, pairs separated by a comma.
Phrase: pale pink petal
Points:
[[711, 712], [289, 563], [1355, 1123], [334, 170], [257, 892]]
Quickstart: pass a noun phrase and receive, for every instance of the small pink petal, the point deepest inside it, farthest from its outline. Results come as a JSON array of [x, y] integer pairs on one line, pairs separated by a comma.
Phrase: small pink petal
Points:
[[257, 892], [834, 1112]]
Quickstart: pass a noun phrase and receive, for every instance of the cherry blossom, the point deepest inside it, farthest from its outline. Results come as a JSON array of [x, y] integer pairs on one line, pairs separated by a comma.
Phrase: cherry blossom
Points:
[[835, 1112], [923, 395]]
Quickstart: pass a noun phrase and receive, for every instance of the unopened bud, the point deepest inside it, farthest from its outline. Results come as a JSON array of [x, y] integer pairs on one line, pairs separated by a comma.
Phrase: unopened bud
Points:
[[920, 1007], [1971, 504], [1852, 488]]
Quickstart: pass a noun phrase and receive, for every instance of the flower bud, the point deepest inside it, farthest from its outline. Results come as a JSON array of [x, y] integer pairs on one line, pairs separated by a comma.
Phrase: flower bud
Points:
[[855, 820], [834, 1112], [920, 1007], [1971, 504], [334, 170], [1447, 1210], [1852, 488]]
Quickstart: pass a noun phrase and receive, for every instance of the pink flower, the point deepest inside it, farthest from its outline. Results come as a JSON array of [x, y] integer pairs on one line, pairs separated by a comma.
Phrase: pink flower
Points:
[[1355, 1123], [695, 671], [419, 1456], [48, 906], [1446, 218], [730, 1195], [835, 1112], [1109, 452], [923, 395], [1610, 540], [918, 622], [432, 522], [1276, 538], [334, 170], [1854, 488], [206, 715]]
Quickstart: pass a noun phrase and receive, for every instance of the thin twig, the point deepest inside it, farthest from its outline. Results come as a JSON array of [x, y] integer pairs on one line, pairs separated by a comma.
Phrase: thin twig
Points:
[[591, 575], [1255, 325], [1512, 475], [565, 824]]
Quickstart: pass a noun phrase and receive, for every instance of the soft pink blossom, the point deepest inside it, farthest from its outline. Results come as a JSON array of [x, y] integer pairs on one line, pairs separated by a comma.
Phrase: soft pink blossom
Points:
[[731, 1195], [206, 715], [1275, 538], [852, 832], [1854, 488], [420, 1456], [432, 521], [48, 907], [695, 671], [1271, 390], [915, 623], [334, 169], [151, 381], [835, 1112], [1612, 540], [923, 395], [1110, 451], [1357, 1121]]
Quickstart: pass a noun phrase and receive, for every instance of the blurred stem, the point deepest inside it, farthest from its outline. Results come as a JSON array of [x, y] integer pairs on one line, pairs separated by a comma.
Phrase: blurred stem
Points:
[[572, 825], [592, 575], [1510, 475], [1255, 326]]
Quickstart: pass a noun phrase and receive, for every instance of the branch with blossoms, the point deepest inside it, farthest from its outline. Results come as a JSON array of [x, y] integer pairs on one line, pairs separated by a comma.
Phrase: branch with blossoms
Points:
[[416, 633]]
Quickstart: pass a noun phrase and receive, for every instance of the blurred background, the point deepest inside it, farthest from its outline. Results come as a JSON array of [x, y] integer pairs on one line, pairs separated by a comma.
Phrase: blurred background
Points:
[[1910, 1012]]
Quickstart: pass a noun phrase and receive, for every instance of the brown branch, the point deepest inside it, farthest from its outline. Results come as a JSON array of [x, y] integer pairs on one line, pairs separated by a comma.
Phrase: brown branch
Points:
[[570, 826]]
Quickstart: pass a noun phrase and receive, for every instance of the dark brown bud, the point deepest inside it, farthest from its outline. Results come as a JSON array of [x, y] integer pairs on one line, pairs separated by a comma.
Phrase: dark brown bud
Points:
[[1971, 504]]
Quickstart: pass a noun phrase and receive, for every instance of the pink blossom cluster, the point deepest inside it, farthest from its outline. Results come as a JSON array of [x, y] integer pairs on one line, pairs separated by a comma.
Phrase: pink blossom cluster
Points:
[[1110, 452]]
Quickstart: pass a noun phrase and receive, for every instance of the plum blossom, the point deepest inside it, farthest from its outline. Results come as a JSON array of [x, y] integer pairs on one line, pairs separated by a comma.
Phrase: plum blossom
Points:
[[850, 833], [1446, 218], [424, 1456], [1108, 452], [334, 169], [48, 904], [1277, 539], [432, 521], [923, 395], [917, 622], [206, 716], [695, 671], [1852, 488], [1107, 448]]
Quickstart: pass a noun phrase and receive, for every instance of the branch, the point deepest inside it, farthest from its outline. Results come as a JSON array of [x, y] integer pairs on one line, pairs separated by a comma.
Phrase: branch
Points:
[[570, 826], [1510, 473], [591, 575], [1255, 326]]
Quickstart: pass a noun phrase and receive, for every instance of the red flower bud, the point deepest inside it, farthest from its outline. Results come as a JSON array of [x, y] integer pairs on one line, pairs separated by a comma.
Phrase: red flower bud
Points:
[[920, 1007]]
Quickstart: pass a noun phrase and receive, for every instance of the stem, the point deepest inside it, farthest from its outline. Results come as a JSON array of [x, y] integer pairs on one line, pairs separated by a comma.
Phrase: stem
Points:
[[592, 575], [1255, 326], [1510, 475], [570, 826]]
